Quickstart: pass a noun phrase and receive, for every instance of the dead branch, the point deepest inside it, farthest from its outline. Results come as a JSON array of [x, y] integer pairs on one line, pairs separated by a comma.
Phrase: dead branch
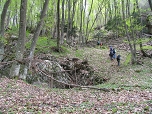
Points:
[[73, 85]]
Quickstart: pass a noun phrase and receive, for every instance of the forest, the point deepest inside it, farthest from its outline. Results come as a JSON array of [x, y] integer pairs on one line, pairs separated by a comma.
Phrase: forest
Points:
[[76, 57]]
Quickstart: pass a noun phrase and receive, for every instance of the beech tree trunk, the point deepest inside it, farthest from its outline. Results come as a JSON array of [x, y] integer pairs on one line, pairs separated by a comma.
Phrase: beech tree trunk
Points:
[[14, 71], [2, 27], [69, 22], [131, 37], [62, 23], [150, 4], [58, 25], [88, 20], [81, 21]]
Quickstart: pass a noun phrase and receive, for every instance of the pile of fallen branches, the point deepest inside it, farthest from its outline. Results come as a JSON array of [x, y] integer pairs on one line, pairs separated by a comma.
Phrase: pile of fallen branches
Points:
[[59, 73], [64, 72], [78, 70]]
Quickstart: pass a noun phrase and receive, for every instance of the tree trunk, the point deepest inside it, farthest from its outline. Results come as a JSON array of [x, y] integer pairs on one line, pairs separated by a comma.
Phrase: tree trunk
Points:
[[88, 20], [35, 37], [81, 13], [141, 32], [84, 22], [116, 14], [123, 9], [105, 15], [58, 25], [14, 71], [110, 10], [69, 22], [62, 23], [2, 27], [131, 37], [73, 13], [29, 20], [97, 14], [150, 4]]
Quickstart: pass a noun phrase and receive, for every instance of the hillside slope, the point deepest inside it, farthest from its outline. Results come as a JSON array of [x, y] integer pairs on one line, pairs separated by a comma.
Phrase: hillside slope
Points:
[[130, 90]]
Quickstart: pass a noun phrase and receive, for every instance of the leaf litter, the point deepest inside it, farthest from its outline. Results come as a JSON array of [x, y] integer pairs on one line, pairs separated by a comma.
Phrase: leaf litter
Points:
[[17, 96]]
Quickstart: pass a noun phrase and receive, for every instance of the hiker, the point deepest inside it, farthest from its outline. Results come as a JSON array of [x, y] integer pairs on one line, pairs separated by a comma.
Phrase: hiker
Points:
[[118, 59], [98, 42], [111, 53], [114, 53]]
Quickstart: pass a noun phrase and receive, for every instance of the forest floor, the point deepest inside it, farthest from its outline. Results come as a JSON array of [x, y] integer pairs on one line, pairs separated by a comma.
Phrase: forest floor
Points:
[[130, 90]]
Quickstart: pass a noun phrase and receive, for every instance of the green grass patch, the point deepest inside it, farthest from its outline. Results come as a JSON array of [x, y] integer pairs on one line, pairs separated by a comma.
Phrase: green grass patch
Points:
[[44, 45], [67, 110], [86, 104], [108, 85], [147, 47], [79, 53], [128, 59], [138, 41]]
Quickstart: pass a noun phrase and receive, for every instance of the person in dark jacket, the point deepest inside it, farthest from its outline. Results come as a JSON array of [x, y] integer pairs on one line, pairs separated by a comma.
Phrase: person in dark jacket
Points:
[[114, 53], [111, 53], [118, 59]]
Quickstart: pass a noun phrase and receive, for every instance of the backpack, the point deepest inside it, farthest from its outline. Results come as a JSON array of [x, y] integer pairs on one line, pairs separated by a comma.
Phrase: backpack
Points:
[[98, 42], [118, 57], [111, 48], [114, 51], [111, 53]]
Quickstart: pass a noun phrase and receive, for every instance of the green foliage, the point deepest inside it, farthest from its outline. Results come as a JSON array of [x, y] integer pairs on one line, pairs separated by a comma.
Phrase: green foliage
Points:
[[113, 24], [79, 53], [133, 24], [138, 41], [147, 47], [42, 45], [146, 108], [73, 31], [108, 85], [99, 34], [3, 40], [142, 40], [45, 45], [14, 30], [128, 22], [114, 110], [128, 59]]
